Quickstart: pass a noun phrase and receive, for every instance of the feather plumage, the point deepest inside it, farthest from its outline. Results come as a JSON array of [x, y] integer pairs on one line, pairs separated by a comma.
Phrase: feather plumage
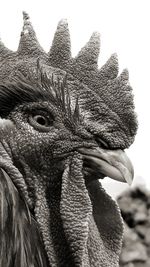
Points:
[[21, 243]]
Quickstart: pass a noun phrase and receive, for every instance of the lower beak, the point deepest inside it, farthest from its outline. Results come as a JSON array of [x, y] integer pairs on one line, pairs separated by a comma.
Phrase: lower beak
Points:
[[112, 163]]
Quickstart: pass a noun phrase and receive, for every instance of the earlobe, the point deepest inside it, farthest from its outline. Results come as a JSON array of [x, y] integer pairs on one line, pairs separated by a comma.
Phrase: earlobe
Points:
[[5, 125]]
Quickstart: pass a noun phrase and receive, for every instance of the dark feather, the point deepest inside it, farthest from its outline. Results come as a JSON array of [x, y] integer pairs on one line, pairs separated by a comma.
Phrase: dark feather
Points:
[[24, 90], [19, 92], [21, 244]]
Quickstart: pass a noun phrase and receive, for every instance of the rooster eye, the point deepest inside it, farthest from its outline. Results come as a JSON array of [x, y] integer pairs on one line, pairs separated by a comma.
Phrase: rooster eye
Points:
[[41, 122]]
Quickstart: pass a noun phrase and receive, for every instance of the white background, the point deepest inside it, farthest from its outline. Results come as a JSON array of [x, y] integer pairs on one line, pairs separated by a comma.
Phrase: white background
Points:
[[125, 28]]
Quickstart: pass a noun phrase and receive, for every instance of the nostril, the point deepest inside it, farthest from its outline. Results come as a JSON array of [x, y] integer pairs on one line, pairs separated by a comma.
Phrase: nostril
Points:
[[101, 143]]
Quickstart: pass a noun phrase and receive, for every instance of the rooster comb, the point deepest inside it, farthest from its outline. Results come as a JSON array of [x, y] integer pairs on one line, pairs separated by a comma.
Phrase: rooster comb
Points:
[[103, 86]]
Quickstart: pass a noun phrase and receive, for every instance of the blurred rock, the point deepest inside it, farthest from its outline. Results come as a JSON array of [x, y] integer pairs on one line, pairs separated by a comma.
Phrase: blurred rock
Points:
[[141, 230], [147, 238], [133, 250], [135, 209]]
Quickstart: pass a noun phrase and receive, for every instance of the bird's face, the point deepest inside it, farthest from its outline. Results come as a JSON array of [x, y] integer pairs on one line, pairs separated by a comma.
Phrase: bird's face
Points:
[[68, 140], [44, 138]]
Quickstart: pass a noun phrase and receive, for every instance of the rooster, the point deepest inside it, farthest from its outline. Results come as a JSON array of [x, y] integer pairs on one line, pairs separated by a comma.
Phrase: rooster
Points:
[[64, 126]]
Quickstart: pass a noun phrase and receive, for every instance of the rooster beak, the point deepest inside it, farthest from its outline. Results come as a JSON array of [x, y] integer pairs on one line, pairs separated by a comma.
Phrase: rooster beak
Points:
[[112, 163]]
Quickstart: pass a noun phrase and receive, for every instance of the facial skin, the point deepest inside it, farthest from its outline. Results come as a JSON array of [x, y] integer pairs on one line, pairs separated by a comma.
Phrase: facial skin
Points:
[[43, 138]]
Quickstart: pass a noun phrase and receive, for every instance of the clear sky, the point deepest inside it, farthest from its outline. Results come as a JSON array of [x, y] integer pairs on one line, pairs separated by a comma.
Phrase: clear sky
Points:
[[125, 28]]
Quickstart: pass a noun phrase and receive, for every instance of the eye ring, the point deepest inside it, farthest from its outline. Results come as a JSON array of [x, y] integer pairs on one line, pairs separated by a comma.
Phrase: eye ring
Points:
[[41, 121]]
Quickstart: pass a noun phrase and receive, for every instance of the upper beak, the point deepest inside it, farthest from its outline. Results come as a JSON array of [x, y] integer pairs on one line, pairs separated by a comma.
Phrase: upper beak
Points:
[[112, 163]]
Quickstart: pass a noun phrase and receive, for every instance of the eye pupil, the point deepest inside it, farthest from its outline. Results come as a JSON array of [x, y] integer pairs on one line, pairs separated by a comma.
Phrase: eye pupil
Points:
[[41, 120]]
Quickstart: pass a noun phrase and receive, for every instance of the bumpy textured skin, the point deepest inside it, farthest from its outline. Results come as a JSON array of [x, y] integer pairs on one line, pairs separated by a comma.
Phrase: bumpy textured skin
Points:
[[77, 224]]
